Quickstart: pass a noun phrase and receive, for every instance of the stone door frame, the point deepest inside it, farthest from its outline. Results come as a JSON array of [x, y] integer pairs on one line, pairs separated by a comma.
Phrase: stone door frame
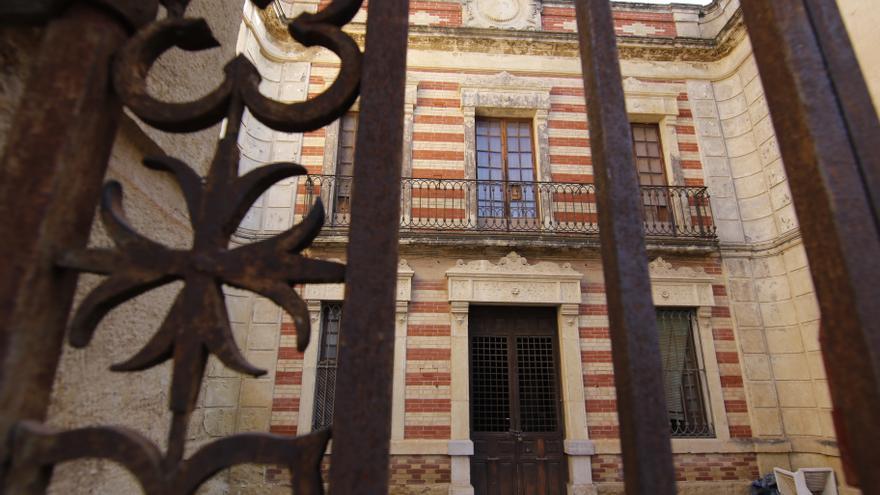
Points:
[[513, 281]]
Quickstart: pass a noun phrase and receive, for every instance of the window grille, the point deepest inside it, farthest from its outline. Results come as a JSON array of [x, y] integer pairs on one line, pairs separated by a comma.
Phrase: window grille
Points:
[[325, 374], [684, 376]]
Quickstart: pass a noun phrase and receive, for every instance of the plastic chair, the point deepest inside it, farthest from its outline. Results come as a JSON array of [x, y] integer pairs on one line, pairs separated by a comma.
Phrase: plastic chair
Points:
[[806, 481]]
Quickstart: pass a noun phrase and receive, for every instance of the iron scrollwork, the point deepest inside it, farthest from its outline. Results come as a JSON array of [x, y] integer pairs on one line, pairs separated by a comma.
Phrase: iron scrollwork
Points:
[[197, 323]]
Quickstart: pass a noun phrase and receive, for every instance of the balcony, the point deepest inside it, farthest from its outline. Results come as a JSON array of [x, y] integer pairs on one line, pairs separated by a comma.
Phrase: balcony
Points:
[[528, 208]]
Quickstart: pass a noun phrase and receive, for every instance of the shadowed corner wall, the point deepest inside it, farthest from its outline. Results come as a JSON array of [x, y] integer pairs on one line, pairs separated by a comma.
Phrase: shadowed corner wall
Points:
[[85, 392]]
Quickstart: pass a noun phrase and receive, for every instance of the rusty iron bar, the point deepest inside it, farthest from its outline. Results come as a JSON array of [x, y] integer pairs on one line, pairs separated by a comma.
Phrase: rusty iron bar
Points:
[[84, 114], [362, 432], [638, 371], [827, 129], [57, 152]]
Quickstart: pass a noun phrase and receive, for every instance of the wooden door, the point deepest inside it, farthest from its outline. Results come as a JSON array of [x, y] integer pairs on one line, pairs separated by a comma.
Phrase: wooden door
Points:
[[516, 419]]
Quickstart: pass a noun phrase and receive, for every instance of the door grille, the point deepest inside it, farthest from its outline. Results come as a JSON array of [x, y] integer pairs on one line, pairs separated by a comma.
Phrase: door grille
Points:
[[537, 384], [490, 392]]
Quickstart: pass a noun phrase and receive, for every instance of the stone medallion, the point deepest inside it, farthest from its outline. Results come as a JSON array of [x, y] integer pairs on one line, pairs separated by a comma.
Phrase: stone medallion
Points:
[[503, 14]]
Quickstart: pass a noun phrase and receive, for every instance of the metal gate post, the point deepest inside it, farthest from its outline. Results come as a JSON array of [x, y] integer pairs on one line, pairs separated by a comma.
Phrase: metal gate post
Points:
[[828, 134], [638, 371], [362, 432], [50, 176]]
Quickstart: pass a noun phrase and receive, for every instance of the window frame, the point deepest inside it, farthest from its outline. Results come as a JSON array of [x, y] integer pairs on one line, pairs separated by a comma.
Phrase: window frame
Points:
[[506, 190], [698, 348], [324, 363]]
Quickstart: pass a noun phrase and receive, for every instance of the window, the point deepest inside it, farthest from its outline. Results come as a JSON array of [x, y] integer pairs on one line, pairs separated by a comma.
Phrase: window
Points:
[[652, 173], [325, 376], [505, 171], [345, 164], [684, 377]]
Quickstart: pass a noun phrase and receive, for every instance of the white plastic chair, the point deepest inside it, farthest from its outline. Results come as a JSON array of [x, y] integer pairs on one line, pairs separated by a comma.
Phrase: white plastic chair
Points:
[[806, 481]]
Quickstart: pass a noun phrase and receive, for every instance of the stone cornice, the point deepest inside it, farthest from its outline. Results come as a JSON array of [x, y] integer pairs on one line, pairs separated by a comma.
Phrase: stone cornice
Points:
[[543, 43]]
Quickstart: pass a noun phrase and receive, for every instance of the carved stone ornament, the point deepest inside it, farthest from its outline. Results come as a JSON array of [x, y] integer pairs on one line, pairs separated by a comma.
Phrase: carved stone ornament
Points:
[[649, 98], [681, 287], [503, 14], [514, 280]]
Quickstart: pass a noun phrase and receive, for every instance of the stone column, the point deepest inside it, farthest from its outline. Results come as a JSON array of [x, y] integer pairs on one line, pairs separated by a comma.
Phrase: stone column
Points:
[[542, 139], [399, 394], [577, 445], [461, 448], [309, 371], [409, 106]]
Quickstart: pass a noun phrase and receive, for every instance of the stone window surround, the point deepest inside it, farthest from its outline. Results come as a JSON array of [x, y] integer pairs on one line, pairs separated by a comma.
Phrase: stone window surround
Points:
[[514, 282], [331, 139], [331, 143], [691, 288], [657, 103], [314, 295]]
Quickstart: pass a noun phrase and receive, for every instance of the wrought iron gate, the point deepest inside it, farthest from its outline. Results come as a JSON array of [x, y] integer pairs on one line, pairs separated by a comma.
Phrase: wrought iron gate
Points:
[[60, 144]]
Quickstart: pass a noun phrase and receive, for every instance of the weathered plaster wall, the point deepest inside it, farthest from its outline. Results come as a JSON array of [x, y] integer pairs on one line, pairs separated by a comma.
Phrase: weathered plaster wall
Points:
[[85, 391], [862, 18], [774, 303]]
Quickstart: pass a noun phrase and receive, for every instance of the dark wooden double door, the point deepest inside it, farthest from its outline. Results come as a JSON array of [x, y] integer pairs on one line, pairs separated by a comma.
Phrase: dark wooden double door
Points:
[[516, 419]]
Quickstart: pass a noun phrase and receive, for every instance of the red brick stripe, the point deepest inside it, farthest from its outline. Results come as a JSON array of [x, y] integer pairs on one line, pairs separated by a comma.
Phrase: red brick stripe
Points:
[[428, 405], [438, 119], [429, 307], [438, 137], [428, 378], [457, 156], [427, 432], [429, 331], [428, 354], [441, 85], [439, 102]]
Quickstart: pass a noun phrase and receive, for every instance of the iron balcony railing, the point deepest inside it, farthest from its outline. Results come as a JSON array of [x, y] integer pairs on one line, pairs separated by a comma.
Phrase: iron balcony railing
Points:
[[463, 205]]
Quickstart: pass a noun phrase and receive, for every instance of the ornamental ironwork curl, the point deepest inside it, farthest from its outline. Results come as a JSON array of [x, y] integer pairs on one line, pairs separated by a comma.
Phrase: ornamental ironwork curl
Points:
[[197, 324]]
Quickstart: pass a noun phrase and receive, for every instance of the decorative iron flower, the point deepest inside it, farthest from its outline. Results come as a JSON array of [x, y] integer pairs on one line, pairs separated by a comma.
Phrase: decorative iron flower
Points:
[[197, 323]]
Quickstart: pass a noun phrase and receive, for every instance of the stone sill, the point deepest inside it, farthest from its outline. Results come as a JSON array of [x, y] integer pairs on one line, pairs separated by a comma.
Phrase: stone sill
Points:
[[710, 446], [518, 240]]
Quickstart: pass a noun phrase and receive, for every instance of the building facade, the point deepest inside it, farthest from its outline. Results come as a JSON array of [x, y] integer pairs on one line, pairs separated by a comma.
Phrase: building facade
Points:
[[503, 378]]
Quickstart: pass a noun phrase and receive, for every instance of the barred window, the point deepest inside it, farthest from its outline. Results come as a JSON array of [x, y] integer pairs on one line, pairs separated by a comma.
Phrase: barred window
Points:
[[325, 376], [684, 377]]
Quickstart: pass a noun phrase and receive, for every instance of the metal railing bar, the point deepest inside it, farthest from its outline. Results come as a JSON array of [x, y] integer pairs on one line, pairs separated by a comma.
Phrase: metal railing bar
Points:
[[827, 126], [638, 371], [361, 436]]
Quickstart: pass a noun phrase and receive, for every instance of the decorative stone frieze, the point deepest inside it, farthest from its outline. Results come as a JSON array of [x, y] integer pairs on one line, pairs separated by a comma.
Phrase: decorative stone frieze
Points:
[[683, 287], [503, 14], [514, 280]]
